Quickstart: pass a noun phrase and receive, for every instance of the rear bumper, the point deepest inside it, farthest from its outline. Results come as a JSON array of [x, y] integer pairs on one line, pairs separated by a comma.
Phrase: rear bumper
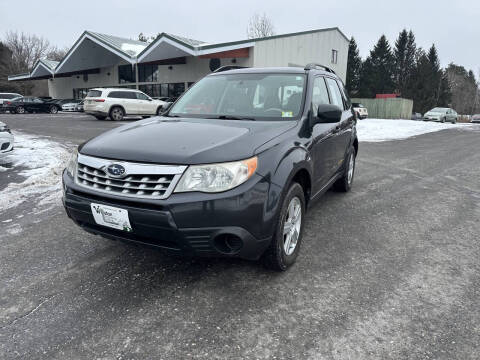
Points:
[[96, 113], [213, 225]]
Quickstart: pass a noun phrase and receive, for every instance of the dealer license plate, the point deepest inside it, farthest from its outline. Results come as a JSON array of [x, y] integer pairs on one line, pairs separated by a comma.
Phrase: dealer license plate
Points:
[[111, 216]]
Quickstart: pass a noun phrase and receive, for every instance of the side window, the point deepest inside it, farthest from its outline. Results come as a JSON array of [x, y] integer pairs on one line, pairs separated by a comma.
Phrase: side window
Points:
[[129, 95], [37, 101], [141, 96], [115, 94], [319, 93], [335, 93]]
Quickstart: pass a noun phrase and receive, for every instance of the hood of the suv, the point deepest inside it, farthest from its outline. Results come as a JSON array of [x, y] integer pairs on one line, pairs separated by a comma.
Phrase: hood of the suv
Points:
[[184, 140]]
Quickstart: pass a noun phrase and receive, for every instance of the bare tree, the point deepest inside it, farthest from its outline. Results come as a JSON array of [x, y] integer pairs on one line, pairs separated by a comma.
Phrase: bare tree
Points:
[[260, 26], [26, 50], [56, 53]]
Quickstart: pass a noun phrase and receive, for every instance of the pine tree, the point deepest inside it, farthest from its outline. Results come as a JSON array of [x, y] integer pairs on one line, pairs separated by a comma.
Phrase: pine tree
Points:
[[400, 53], [445, 96], [354, 67], [410, 65], [404, 53], [378, 70]]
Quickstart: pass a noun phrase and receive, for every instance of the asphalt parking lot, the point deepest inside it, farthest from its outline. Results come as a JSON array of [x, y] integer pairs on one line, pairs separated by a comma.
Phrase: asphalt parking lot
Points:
[[388, 271]]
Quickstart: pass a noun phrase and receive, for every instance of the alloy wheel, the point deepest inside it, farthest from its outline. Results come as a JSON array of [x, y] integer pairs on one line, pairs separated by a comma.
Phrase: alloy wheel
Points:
[[117, 114], [292, 226]]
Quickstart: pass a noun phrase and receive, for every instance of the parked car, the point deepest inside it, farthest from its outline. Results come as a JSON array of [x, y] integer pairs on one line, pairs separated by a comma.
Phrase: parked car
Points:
[[417, 116], [475, 118], [117, 103], [70, 105], [8, 96], [229, 170], [360, 110], [441, 114], [25, 104], [79, 106], [6, 139]]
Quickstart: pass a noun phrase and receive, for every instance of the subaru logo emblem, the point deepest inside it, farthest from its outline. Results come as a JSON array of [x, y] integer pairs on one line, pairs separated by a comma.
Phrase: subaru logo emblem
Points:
[[116, 170]]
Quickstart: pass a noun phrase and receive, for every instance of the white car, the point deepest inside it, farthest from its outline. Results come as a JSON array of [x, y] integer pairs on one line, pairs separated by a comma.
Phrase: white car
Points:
[[8, 96], [70, 106], [360, 110], [117, 103], [6, 139]]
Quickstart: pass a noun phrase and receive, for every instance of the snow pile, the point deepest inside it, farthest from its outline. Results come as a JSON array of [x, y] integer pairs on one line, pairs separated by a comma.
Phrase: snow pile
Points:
[[375, 130], [41, 162]]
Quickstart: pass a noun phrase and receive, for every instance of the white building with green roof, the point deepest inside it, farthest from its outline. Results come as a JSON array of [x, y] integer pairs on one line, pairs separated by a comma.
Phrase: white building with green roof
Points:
[[168, 65]]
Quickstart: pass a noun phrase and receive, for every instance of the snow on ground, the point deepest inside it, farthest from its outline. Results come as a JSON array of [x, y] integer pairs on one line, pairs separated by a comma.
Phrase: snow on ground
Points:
[[41, 163], [375, 130]]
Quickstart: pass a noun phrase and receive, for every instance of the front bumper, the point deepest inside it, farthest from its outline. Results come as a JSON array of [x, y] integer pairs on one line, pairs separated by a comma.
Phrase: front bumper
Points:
[[229, 224]]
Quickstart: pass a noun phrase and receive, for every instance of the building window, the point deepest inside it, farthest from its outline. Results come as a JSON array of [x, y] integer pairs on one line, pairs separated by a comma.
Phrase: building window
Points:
[[163, 90], [334, 56], [126, 74], [147, 73]]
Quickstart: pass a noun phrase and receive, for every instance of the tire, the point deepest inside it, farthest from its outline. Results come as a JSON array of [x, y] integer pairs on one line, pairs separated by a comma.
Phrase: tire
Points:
[[116, 113], [344, 184], [454, 121], [159, 110], [279, 256], [53, 109], [443, 120], [20, 110]]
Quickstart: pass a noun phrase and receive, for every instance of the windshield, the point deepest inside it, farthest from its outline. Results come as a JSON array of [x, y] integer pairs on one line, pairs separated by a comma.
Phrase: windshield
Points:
[[439, 110], [250, 96]]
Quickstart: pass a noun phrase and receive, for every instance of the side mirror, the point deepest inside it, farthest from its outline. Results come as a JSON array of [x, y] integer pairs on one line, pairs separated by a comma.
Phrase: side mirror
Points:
[[327, 113]]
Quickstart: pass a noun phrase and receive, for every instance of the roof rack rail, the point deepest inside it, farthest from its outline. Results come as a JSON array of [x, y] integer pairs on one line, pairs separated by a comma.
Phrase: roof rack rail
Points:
[[312, 66], [229, 67]]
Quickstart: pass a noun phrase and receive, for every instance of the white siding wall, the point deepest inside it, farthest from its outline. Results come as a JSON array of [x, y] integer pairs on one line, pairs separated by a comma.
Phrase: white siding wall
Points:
[[303, 49]]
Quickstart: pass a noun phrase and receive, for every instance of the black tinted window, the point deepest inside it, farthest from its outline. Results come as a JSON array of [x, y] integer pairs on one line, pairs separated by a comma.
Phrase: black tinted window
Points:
[[94, 93]]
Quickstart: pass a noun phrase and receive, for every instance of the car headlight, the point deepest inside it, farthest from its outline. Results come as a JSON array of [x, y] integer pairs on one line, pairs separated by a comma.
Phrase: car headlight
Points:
[[213, 178], [72, 163], [5, 128]]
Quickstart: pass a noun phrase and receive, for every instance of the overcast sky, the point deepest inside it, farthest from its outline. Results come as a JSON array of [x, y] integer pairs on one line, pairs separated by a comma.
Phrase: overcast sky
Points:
[[454, 26]]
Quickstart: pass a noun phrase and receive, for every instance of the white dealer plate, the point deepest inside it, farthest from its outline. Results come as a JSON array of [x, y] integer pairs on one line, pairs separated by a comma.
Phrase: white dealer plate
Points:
[[111, 216]]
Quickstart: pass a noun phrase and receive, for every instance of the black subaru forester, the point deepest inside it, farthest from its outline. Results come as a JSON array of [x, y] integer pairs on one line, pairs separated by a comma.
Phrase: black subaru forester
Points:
[[229, 170]]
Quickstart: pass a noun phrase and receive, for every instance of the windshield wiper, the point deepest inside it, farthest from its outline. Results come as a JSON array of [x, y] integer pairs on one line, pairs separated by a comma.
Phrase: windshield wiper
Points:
[[231, 117]]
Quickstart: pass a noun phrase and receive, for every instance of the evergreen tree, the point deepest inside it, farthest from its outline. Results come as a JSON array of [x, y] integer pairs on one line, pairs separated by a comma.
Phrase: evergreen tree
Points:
[[445, 96], [404, 53], [378, 70], [428, 89], [410, 66], [354, 67], [400, 53]]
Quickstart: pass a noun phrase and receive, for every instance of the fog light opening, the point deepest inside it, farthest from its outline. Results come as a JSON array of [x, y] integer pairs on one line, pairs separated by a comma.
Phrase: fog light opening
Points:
[[228, 243]]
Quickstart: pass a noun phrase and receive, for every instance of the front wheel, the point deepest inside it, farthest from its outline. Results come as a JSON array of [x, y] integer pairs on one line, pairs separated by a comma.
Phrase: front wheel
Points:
[[53, 109], [344, 184], [285, 245], [443, 120]]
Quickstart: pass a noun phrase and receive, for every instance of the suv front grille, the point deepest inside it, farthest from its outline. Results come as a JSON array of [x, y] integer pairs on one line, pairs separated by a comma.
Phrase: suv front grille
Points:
[[140, 180]]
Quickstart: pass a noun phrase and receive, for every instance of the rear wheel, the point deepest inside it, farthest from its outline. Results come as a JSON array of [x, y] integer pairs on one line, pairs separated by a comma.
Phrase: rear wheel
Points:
[[20, 110], [53, 109], [117, 113], [344, 184], [285, 245]]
